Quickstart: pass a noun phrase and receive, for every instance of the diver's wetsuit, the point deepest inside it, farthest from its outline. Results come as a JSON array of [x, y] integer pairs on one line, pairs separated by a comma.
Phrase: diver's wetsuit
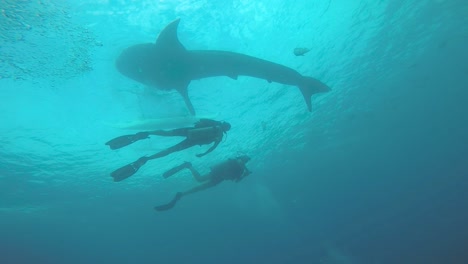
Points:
[[205, 132], [232, 169]]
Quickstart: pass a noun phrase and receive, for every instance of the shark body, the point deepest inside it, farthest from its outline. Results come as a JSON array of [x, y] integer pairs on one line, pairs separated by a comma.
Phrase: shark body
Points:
[[167, 65]]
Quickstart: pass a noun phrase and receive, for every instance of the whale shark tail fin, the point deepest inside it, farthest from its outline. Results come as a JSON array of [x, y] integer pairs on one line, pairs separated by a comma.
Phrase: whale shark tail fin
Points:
[[311, 86]]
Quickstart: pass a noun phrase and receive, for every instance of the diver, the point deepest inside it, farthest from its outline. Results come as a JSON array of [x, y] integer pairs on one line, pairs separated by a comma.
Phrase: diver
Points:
[[205, 131], [231, 169]]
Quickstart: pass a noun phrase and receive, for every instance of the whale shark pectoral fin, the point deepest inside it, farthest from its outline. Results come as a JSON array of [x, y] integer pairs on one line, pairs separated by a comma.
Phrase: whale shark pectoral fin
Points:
[[182, 89], [168, 40]]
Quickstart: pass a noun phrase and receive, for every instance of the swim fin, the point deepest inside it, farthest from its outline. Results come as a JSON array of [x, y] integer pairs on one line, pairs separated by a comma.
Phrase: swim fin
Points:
[[169, 205], [176, 169], [123, 141], [128, 170]]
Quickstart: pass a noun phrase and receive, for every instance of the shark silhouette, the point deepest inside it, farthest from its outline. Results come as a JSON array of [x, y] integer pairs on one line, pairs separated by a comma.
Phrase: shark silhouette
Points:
[[167, 65]]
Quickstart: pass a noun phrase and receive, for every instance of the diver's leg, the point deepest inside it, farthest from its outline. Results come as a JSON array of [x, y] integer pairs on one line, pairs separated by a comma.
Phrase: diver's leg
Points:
[[201, 187], [197, 175], [176, 169], [187, 165], [180, 146], [179, 132], [179, 195]]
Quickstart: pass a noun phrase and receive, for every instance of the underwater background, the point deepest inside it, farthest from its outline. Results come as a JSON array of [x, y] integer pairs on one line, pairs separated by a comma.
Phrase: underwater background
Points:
[[377, 173]]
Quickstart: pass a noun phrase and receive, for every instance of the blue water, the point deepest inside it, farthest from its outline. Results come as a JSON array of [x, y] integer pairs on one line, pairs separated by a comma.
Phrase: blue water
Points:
[[377, 173]]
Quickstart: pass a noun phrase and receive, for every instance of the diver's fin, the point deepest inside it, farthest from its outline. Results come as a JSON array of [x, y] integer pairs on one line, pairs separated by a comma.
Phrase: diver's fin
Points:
[[169, 205], [168, 40], [312, 86], [182, 89], [128, 170], [176, 169], [123, 141]]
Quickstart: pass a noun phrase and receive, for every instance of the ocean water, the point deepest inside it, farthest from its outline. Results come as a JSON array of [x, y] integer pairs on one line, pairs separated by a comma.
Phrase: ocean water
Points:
[[377, 173]]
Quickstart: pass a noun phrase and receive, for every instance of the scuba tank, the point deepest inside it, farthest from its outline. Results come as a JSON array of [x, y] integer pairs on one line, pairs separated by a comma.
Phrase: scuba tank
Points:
[[206, 133]]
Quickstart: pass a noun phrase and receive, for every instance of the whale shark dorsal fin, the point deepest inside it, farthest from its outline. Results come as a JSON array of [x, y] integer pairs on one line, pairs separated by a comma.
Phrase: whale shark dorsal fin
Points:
[[168, 40]]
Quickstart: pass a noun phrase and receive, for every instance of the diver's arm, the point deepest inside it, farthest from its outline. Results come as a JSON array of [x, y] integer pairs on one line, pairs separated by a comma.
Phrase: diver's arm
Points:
[[210, 149]]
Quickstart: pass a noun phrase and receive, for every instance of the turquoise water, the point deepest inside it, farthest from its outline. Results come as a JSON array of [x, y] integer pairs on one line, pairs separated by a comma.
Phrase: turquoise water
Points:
[[376, 173]]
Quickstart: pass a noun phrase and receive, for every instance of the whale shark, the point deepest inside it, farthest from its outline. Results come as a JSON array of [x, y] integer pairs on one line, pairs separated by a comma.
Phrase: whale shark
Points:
[[168, 65]]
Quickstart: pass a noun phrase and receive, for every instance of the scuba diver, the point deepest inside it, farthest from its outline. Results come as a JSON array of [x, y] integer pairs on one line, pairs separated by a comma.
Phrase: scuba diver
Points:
[[205, 131], [231, 169]]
